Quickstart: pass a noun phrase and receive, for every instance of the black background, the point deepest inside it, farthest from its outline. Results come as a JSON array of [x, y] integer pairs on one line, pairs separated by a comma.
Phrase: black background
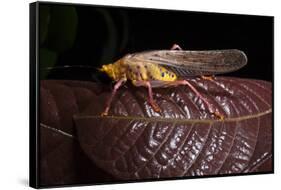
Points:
[[105, 34]]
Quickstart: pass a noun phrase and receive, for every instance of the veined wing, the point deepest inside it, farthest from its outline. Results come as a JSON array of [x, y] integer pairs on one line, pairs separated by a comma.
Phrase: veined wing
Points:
[[194, 63]]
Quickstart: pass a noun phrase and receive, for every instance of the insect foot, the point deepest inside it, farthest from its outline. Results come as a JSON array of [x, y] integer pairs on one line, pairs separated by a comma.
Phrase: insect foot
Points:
[[219, 115], [210, 78], [155, 106], [104, 114]]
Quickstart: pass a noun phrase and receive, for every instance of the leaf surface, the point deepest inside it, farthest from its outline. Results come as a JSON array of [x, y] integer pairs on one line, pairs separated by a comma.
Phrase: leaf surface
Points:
[[134, 142], [61, 160]]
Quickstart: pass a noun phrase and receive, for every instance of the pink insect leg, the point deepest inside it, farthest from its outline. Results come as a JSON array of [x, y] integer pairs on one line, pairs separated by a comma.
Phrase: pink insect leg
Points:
[[209, 105], [184, 82], [151, 101], [108, 103]]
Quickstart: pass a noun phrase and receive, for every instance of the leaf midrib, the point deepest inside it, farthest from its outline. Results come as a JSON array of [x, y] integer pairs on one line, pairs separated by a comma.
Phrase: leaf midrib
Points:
[[174, 120]]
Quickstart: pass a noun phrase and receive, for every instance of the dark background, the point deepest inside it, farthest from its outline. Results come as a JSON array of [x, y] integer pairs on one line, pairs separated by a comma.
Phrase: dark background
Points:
[[90, 36], [95, 35]]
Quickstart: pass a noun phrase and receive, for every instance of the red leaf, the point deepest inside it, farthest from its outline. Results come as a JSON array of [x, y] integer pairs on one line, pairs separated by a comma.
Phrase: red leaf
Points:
[[135, 142], [62, 160]]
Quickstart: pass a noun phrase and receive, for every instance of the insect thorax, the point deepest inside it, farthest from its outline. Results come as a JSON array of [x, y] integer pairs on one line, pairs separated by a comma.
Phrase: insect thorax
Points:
[[138, 70]]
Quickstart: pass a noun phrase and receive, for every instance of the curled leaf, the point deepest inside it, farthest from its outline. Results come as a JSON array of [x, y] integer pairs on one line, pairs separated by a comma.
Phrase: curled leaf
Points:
[[135, 142]]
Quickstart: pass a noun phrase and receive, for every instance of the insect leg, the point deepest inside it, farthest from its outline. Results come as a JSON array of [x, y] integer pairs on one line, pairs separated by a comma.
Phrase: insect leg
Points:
[[116, 87], [210, 78], [151, 101], [176, 47], [210, 106]]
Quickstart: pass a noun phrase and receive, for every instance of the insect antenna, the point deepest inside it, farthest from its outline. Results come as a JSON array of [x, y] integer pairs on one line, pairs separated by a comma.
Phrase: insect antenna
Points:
[[71, 72], [67, 66]]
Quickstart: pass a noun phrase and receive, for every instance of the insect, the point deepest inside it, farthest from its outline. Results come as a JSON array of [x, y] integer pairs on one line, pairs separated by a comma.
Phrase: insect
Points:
[[167, 68]]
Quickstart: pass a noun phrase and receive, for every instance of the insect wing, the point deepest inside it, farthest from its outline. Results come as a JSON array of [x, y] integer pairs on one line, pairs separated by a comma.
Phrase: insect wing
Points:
[[194, 63]]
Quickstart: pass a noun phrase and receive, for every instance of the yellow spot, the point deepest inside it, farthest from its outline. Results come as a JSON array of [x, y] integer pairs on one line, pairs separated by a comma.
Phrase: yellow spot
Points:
[[143, 73]]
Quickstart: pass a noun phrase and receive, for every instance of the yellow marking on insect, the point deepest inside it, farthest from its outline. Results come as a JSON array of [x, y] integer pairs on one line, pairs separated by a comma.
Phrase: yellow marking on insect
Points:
[[138, 71], [161, 73], [143, 72], [114, 71]]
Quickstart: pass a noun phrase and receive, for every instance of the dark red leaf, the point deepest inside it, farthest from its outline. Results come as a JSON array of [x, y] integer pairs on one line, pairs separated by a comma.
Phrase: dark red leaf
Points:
[[62, 160], [135, 142]]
